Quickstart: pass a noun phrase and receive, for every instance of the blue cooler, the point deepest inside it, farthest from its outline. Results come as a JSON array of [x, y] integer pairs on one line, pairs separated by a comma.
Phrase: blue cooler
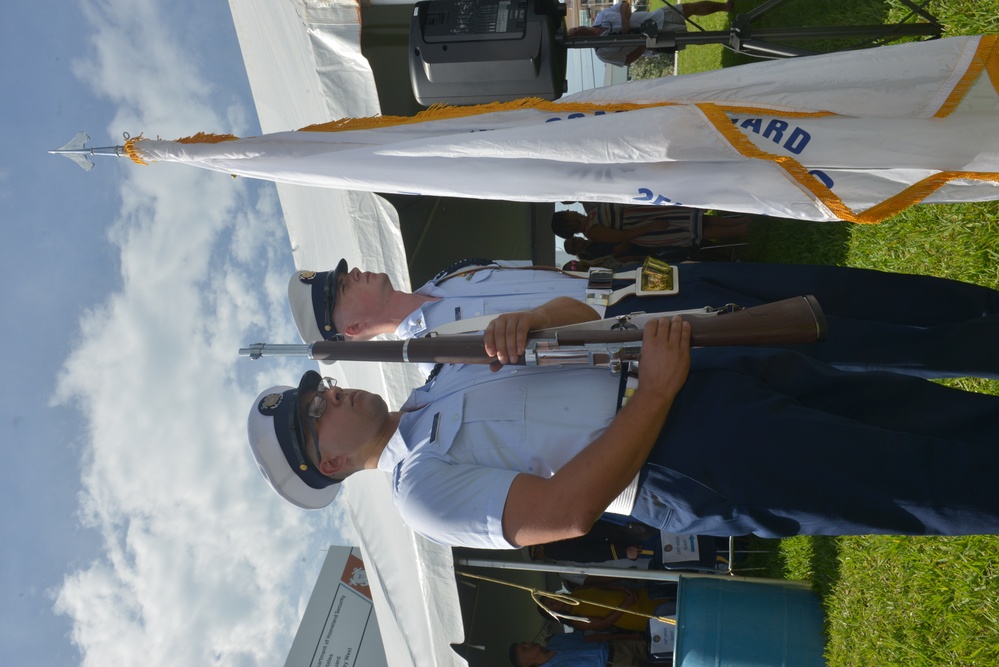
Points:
[[723, 622]]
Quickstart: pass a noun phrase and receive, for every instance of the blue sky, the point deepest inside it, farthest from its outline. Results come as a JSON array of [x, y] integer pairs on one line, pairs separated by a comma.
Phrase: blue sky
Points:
[[136, 529]]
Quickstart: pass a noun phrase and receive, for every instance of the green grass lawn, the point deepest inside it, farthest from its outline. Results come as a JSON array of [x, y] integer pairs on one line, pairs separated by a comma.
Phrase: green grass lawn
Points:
[[889, 600]]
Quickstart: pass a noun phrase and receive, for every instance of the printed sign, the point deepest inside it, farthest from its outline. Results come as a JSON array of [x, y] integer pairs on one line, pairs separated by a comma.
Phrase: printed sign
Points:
[[662, 636], [679, 548], [339, 628]]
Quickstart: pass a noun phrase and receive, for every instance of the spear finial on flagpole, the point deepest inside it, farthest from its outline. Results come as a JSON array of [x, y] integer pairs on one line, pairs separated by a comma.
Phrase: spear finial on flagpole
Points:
[[77, 151]]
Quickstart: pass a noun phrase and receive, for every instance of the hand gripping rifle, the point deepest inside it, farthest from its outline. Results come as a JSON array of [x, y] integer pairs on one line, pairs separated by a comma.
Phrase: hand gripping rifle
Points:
[[606, 342]]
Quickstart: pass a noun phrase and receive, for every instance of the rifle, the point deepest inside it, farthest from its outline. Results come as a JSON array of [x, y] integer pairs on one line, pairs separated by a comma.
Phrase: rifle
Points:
[[606, 342]]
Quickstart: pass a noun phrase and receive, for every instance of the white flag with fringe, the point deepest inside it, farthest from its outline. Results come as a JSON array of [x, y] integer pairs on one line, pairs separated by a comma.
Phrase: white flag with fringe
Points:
[[857, 136]]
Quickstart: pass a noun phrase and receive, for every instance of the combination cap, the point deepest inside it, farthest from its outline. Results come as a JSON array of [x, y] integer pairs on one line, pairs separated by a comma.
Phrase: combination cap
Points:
[[312, 296], [277, 440]]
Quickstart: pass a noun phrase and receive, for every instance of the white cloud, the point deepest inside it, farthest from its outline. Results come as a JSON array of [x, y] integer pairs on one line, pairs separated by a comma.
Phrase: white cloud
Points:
[[202, 563], [140, 62]]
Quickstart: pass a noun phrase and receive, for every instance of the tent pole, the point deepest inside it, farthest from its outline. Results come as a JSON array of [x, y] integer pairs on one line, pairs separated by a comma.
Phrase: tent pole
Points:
[[611, 572]]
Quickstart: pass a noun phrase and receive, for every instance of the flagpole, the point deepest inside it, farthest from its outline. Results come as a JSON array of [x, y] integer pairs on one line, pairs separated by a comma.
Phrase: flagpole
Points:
[[77, 151]]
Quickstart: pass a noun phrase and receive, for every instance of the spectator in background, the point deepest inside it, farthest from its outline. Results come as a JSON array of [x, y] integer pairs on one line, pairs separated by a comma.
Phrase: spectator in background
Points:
[[651, 228], [619, 20], [573, 650]]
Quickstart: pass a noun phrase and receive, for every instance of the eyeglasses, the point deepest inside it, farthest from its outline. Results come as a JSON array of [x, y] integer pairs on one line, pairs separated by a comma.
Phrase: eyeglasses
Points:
[[315, 409]]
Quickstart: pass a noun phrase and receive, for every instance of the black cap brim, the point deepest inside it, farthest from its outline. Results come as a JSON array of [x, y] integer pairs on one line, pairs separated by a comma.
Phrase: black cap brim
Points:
[[328, 296]]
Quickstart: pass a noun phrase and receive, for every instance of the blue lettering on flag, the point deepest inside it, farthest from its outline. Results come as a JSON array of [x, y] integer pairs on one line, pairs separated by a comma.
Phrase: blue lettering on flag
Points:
[[775, 127], [654, 200], [775, 130], [580, 114], [797, 141], [823, 177]]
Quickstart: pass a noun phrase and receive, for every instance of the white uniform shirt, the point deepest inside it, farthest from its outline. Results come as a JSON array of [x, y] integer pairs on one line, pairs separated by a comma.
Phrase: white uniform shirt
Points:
[[471, 431], [610, 18], [488, 292]]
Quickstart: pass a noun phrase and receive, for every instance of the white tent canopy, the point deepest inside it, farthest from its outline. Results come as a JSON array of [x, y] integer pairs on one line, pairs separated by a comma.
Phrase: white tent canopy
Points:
[[304, 63]]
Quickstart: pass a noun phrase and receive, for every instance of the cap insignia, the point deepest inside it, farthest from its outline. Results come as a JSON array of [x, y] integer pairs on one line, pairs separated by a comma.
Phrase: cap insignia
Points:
[[269, 402]]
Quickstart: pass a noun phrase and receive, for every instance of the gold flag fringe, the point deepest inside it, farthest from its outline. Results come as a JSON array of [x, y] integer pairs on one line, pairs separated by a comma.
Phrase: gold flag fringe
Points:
[[132, 152], [207, 138], [919, 191], [992, 66], [199, 138], [766, 111], [986, 58], [894, 205], [716, 116], [447, 112]]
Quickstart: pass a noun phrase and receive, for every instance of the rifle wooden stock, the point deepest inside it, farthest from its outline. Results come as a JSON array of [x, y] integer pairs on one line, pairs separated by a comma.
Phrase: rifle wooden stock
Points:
[[786, 322], [796, 320]]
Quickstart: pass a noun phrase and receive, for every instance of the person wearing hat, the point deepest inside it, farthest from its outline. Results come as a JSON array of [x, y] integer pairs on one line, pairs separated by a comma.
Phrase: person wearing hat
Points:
[[917, 325], [358, 305], [762, 441], [285, 438]]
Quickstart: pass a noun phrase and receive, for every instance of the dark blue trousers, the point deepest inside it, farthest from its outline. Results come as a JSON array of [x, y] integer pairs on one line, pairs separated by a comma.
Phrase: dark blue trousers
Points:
[[775, 443], [918, 325]]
